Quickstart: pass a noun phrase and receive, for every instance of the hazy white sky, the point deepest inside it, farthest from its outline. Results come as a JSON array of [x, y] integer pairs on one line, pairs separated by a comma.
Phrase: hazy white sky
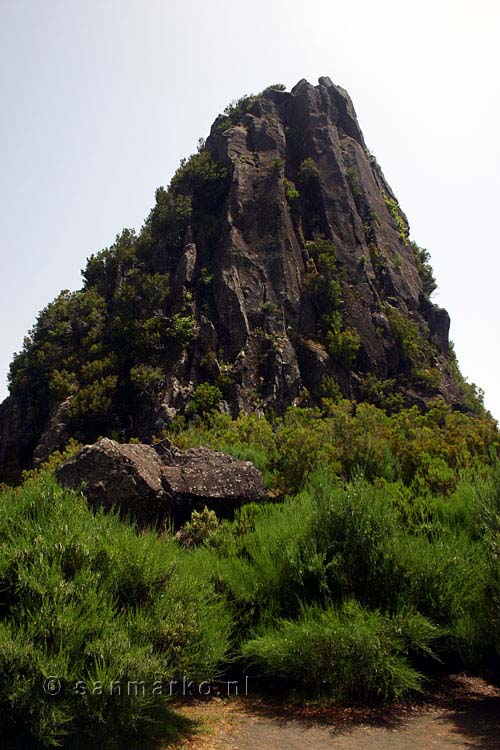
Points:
[[100, 99]]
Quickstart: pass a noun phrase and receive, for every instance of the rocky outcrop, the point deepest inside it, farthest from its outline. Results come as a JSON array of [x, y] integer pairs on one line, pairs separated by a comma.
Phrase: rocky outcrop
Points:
[[150, 485], [55, 435], [263, 318], [261, 263], [250, 306]]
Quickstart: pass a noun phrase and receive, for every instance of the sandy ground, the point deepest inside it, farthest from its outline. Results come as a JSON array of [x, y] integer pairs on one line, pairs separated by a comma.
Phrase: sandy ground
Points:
[[463, 715]]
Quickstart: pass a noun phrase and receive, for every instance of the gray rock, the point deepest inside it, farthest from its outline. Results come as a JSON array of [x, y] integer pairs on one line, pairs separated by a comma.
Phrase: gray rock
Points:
[[150, 484], [56, 434], [201, 477], [125, 476]]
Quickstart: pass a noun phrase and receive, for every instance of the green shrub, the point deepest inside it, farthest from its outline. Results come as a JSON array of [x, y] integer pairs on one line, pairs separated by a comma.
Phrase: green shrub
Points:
[[381, 393], [291, 193], [399, 220], [205, 399], [277, 166], [352, 175], [147, 380], [206, 276], [85, 597], [343, 345], [348, 651], [183, 327], [199, 171], [199, 529], [275, 87], [422, 259], [308, 171]]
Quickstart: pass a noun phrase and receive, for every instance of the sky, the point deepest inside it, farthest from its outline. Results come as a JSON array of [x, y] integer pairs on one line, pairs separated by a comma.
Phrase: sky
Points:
[[101, 99]]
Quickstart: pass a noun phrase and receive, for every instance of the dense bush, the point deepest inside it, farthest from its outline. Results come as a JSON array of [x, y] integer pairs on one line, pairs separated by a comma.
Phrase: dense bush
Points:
[[87, 598], [386, 559], [357, 589], [427, 452], [110, 344], [346, 652]]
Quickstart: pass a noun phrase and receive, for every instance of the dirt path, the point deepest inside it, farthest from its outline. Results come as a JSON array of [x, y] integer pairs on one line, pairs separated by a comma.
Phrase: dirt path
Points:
[[464, 716]]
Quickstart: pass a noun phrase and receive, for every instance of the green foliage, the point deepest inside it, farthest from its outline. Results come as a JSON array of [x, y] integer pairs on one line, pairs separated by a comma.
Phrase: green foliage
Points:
[[330, 390], [381, 553], [381, 393], [291, 193], [346, 651], [202, 526], [349, 588], [378, 260], [94, 399], [421, 450], [399, 220], [235, 111], [343, 344], [65, 340], [267, 307], [206, 276], [108, 343], [198, 172], [86, 598], [416, 350], [166, 224], [472, 396], [275, 87], [308, 171], [353, 180], [205, 399], [183, 327], [148, 380], [324, 254], [422, 259], [277, 166], [104, 270], [239, 107]]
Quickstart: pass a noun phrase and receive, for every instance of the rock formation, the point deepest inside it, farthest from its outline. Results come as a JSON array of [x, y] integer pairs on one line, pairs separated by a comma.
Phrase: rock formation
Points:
[[290, 277], [151, 485]]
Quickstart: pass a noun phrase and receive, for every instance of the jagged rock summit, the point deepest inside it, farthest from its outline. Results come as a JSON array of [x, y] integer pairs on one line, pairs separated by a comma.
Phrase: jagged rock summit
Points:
[[275, 270]]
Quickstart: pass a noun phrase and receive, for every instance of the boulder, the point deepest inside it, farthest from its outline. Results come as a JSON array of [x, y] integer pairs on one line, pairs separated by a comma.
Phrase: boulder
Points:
[[151, 484], [201, 477], [125, 476]]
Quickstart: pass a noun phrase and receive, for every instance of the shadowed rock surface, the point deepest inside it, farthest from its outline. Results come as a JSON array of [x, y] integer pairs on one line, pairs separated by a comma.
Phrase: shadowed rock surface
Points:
[[150, 485]]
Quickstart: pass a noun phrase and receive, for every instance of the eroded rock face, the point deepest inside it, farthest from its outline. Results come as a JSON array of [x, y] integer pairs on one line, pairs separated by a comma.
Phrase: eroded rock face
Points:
[[150, 485], [263, 317]]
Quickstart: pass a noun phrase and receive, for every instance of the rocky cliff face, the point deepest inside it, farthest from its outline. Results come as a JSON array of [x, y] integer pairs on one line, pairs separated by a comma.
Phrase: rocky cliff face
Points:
[[290, 275], [267, 311]]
